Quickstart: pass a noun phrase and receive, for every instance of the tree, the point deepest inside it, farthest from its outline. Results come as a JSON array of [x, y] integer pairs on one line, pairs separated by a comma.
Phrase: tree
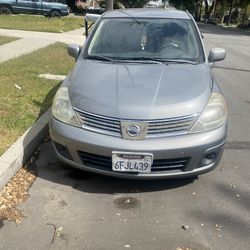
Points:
[[109, 4], [193, 6], [244, 4], [230, 11]]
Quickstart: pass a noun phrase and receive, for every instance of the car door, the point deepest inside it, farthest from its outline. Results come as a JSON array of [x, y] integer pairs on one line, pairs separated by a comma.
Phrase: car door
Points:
[[37, 6], [28, 6]]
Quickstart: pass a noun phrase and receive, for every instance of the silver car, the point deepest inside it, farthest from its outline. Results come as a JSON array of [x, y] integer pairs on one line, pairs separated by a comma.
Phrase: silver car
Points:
[[142, 101]]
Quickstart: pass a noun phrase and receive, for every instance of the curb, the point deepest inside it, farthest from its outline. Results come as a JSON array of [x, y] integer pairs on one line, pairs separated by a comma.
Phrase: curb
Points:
[[19, 152]]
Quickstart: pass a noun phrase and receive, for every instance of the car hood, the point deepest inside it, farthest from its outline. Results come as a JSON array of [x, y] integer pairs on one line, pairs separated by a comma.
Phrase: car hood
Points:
[[140, 91]]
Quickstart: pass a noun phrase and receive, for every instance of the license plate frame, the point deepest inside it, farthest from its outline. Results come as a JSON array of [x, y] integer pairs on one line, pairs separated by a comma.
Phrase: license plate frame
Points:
[[132, 162]]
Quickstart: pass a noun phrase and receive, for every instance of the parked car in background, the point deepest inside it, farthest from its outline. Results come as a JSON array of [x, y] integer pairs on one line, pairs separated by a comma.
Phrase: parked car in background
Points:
[[39, 7], [141, 101]]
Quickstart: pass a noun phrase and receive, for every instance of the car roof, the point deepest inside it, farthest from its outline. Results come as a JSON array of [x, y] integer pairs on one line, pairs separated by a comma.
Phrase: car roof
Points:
[[147, 13]]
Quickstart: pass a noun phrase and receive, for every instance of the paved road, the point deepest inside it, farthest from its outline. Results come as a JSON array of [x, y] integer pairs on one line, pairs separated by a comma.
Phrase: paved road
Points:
[[94, 211]]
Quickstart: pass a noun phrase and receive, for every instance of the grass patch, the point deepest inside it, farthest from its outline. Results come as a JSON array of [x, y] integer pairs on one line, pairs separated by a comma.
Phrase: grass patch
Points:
[[7, 39], [20, 108], [40, 23]]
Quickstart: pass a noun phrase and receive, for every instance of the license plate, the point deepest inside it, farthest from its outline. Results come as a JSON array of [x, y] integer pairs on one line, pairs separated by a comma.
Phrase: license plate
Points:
[[132, 162]]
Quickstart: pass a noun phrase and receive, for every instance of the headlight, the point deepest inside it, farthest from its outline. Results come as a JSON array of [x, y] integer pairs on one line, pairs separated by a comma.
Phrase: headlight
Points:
[[62, 109], [214, 115]]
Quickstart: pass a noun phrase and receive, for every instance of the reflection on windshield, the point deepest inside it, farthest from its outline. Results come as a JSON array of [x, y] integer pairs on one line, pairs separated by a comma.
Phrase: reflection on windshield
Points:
[[167, 39]]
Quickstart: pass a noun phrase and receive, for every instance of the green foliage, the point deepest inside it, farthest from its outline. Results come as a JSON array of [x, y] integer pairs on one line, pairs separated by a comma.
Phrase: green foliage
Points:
[[40, 23], [236, 8], [24, 96]]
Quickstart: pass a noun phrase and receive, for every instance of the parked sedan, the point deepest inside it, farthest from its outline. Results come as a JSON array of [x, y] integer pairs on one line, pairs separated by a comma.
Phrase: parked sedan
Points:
[[142, 101]]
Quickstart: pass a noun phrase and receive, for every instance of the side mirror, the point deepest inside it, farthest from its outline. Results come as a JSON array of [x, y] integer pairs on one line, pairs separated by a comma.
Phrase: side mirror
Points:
[[74, 50], [216, 55]]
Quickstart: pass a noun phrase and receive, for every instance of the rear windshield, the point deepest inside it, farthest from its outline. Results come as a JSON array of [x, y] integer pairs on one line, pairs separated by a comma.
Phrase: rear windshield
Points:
[[130, 38]]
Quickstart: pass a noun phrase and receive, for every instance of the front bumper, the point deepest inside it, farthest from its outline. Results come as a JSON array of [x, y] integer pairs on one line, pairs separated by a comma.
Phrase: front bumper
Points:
[[70, 143]]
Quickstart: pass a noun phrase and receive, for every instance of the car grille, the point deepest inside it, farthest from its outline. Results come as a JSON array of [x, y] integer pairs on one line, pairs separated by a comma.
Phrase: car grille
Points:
[[169, 127], [104, 162], [101, 124], [155, 129]]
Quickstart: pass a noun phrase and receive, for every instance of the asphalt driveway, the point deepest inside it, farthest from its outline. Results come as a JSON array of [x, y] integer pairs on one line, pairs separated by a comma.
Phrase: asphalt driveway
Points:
[[69, 209]]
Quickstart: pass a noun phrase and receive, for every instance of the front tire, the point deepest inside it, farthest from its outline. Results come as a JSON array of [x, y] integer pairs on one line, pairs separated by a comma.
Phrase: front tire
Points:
[[55, 13], [5, 11]]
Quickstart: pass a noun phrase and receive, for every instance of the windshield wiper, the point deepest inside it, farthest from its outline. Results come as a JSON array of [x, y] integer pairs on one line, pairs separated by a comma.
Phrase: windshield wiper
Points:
[[145, 59], [178, 61], [101, 58], [148, 59]]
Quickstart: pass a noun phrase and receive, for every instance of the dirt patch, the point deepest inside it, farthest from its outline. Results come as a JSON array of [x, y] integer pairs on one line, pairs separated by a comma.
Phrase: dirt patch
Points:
[[14, 193], [126, 202]]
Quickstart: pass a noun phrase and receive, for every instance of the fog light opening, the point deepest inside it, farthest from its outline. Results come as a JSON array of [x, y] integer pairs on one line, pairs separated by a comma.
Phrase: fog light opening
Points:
[[209, 158], [63, 150]]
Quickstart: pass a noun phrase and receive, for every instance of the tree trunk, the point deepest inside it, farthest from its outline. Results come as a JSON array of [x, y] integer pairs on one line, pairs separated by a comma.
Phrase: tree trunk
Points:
[[244, 14], [223, 10], [230, 13], [109, 4], [206, 9], [196, 11], [200, 11], [211, 9]]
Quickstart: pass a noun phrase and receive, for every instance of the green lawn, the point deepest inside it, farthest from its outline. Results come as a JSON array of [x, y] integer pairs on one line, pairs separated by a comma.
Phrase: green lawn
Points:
[[20, 108], [7, 39], [40, 23]]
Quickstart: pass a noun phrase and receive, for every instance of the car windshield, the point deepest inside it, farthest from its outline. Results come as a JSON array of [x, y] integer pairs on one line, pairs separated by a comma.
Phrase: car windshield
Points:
[[146, 39]]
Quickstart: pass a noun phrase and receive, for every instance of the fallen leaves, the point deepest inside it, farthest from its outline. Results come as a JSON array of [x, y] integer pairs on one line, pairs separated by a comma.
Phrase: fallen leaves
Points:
[[15, 192]]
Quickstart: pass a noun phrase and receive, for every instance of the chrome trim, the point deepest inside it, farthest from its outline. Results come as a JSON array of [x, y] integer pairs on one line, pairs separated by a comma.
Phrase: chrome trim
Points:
[[101, 116], [157, 128], [99, 124], [131, 132], [143, 129]]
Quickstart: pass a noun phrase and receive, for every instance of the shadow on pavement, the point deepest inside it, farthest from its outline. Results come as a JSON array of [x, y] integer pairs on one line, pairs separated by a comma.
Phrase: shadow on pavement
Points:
[[229, 68], [231, 219], [215, 29]]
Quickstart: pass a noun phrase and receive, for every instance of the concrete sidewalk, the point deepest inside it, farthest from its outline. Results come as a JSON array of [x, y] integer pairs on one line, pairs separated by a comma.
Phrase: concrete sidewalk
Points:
[[33, 40], [21, 47]]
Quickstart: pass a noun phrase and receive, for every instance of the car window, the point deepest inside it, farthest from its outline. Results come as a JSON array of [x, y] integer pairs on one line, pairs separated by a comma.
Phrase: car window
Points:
[[126, 38]]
